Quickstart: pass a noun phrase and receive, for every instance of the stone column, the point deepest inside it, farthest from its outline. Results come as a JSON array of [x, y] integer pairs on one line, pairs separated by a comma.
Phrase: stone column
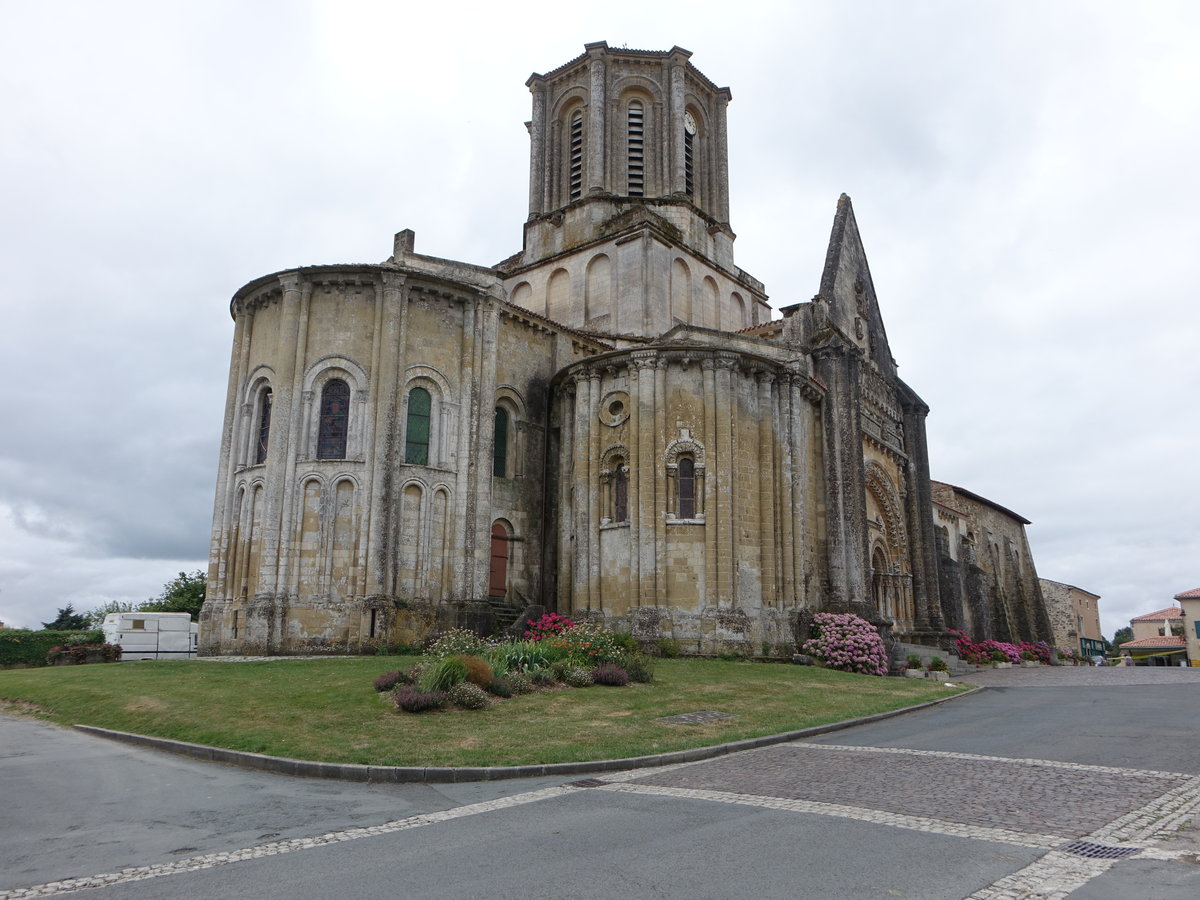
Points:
[[726, 476], [597, 127], [714, 464], [766, 488], [539, 164]]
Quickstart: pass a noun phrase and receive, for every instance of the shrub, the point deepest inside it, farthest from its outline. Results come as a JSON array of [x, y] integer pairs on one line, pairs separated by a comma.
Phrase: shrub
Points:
[[456, 640], [640, 668], [500, 687], [577, 677], [937, 664], [84, 653], [414, 700], [626, 643], [519, 682], [914, 661], [547, 626], [587, 645], [468, 696], [29, 648], [541, 677], [846, 642], [389, 680], [610, 674], [479, 671], [443, 674], [669, 647]]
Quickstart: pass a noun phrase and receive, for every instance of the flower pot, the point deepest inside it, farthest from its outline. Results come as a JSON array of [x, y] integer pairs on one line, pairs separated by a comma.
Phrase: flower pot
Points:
[[939, 675], [1000, 665], [1029, 664], [914, 673]]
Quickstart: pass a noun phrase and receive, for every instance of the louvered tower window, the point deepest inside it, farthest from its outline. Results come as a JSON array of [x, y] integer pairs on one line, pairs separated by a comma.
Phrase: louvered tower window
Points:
[[689, 170], [576, 179], [635, 139]]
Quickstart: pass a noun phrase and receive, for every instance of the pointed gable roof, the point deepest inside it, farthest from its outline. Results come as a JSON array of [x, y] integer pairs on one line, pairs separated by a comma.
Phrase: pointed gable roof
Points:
[[846, 283]]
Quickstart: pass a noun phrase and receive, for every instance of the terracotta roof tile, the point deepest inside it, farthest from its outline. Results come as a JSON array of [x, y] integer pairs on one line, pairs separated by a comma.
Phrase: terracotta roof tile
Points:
[[1171, 641], [1172, 612], [1193, 594]]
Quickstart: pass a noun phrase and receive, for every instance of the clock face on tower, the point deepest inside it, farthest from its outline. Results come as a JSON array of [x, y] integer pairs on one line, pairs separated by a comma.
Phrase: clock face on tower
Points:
[[689, 124]]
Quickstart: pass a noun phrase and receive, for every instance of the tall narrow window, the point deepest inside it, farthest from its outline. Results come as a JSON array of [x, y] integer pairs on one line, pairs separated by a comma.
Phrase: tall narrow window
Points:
[[335, 420], [498, 577], [416, 434], [264, 426], [636, 149], [687, 488], [620, 491], [500, 444], [576, 173], [689, 149]]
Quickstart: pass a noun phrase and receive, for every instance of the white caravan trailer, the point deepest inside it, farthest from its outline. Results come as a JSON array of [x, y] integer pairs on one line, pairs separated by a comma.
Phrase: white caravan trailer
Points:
[[152, 635]]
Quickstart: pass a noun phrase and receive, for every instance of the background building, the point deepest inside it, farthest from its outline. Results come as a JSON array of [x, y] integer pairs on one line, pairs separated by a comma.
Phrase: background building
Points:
[[1074, 616]]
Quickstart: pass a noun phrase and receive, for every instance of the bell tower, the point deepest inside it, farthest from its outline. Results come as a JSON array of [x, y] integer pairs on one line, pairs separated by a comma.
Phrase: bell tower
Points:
[[630, 146]]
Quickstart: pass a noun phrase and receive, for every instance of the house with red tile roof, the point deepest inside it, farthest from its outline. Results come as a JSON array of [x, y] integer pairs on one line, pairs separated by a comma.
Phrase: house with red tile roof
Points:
[[1189, 602], [1157, 638]]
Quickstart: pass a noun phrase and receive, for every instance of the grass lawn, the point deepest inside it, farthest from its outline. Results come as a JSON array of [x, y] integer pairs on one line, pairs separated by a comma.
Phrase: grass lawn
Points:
[[326, 709]]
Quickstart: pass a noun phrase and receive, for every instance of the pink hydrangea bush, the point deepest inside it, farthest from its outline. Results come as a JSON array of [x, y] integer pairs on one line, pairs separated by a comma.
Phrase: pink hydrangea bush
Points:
[[549, 625], [984, 652], [847, 642]]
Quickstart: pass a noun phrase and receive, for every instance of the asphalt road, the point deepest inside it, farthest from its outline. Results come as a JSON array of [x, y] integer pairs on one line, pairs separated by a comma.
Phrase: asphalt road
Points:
[[1016, 791]]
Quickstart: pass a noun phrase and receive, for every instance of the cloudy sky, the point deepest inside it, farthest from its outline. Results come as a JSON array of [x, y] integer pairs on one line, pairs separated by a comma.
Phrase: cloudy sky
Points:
[[1024, 175]]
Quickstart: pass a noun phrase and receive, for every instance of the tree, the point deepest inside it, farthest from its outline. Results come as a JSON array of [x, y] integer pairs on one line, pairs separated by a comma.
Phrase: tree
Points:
[[1122, 635], [182, 594], [68, 620], [96, 616]]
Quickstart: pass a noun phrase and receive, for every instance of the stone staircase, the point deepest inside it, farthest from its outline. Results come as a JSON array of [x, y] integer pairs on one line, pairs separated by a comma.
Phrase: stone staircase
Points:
[[953, 663]]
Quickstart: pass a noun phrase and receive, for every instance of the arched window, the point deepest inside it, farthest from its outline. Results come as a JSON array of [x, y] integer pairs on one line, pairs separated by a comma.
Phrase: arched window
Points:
[[635, 133], [264, 426], [620, 491], [335, 420], [576, 170], [498, 576], [500, 444], [416, 433], [687, 488]]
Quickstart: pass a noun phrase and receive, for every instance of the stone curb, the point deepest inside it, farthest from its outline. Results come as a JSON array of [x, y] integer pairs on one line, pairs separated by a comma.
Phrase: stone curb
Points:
[[450, 774]]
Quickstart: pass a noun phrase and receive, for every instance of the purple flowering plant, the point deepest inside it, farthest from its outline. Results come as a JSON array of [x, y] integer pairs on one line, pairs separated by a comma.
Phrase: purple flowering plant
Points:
[[847, 642]]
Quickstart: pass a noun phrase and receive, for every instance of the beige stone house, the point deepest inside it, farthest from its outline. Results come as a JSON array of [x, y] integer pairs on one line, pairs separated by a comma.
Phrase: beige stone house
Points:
[[1189, 603], [1157, 638], [1074, 617], [608, 423]]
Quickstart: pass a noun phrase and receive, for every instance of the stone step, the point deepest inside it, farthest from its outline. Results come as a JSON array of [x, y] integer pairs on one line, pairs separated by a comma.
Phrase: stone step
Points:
[[955, 665]]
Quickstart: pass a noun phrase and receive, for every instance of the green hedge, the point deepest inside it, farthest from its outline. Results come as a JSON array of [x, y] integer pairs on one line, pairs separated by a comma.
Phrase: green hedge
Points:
[[30, 647]]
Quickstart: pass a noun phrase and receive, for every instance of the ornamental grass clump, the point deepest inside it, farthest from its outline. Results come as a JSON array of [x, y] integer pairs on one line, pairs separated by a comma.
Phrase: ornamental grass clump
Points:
[[521, 656], [443, 674], [410, 698], [479, 671], [468, 696], [847, 642], [501, 687]]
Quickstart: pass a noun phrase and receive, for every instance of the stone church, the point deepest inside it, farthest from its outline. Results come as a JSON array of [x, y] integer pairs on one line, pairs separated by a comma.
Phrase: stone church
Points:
[[608, 424]]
